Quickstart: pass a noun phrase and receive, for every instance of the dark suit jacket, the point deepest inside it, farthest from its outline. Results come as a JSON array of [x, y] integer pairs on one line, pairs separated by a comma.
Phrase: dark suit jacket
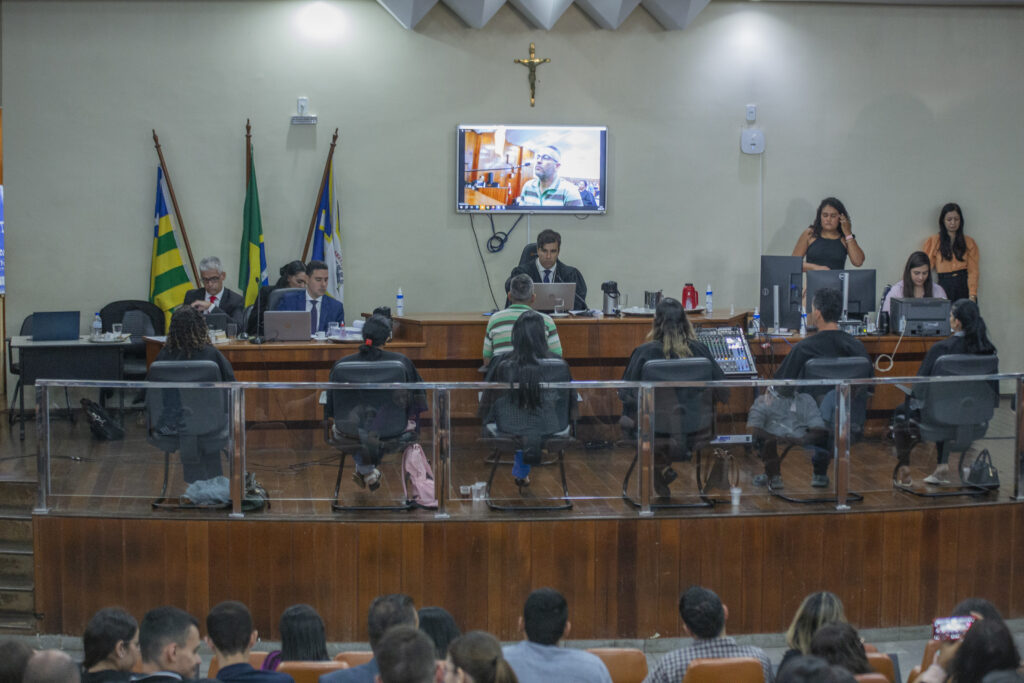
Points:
[[331, 310], [230, 302], [563, 273], [364, 673], [245, 673]]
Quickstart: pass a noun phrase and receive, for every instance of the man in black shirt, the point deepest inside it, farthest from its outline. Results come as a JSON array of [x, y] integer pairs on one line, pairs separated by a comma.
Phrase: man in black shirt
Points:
[[828, 342]]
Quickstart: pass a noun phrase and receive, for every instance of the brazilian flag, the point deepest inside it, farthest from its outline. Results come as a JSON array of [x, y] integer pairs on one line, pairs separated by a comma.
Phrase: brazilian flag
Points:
[[168, 279], [252, 269]]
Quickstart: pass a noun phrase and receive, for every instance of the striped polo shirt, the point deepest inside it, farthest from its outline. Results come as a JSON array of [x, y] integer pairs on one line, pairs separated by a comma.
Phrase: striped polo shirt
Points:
[[498, 338]]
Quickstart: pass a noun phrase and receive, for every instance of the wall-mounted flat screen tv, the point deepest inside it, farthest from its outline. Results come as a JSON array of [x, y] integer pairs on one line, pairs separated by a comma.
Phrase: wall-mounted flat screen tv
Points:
[[531, 169]]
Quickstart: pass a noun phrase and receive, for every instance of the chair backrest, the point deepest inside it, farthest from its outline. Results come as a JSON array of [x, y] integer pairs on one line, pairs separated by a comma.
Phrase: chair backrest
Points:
[[354, 657], [682, 411], [115, 311], [309, 672], [870, 678], [554, 412], [847, 367], [960, 403], [26, 326], [882, 663], [731, 669], [382, 411], [624, 664], [137, 323], [202, 411], [275, 296], [255, 661], [529, 254]]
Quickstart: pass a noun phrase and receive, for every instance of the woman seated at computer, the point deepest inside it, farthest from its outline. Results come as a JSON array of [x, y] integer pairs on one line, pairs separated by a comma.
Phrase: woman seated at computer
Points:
[[671, 336], [377, 333], [826, 244], [917, 280], [535, 413], [969, 336], [293, 276], [954, 255]]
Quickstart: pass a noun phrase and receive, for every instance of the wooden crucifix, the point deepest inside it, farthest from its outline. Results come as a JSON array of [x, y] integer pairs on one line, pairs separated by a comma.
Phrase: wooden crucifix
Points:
[[531, 63]]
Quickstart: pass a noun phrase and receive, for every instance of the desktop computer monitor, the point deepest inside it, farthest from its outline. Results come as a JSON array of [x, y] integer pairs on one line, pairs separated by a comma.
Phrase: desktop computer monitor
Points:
[[780, 292], [856, 286]]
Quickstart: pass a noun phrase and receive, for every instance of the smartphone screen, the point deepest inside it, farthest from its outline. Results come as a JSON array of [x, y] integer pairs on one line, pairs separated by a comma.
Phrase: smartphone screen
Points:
[[951, 628]]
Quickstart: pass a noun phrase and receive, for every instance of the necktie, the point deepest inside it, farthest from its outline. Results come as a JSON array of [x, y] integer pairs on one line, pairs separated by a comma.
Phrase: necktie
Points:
[[547, 276], [213, 299], [312, 318]]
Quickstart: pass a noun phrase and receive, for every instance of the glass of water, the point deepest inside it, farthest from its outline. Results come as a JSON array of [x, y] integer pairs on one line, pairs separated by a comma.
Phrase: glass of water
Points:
[[117, 329]]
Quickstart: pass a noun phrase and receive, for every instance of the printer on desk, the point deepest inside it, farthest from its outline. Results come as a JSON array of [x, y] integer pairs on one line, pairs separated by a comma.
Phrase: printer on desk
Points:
[[920, 317]]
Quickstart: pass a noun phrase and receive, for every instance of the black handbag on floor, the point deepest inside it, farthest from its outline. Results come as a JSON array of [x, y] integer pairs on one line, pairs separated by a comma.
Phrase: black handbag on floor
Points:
[[101, 424], [983, 473]]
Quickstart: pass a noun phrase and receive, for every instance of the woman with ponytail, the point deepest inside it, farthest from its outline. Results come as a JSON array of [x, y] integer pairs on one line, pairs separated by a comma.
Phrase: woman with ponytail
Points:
[[970, 335], [110, 647], [377, 333], [671, 336], [476, 658]]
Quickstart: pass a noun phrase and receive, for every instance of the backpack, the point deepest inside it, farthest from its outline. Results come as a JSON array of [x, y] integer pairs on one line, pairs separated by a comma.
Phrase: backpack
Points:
[[101, 424], [418, 476]]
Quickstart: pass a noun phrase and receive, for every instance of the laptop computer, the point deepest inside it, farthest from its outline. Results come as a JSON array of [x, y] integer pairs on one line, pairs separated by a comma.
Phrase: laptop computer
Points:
[[56, 325], [286, 326], [546, 295]]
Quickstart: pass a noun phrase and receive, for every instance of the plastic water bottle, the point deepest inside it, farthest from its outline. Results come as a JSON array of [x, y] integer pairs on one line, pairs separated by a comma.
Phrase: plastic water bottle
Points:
[[707, 301], [803, 323], [97, 327], [755, 323], [400, 303]]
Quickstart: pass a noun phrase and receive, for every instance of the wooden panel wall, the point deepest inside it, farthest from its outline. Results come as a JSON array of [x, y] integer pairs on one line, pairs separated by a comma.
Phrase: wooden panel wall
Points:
[[622, 577]]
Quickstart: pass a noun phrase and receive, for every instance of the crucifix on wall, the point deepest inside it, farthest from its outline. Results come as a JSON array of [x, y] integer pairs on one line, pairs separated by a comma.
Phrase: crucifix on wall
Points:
[[531, 63]]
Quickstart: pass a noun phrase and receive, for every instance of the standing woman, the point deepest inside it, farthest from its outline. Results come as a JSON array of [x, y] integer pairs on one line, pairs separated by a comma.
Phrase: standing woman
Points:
[[954, 255], [829, 240]]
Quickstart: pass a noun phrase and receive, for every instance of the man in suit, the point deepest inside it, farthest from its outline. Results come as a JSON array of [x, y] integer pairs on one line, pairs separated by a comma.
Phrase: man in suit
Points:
[[324, 309], [169, 643], [547, 268], [213, 295], [386, 611]]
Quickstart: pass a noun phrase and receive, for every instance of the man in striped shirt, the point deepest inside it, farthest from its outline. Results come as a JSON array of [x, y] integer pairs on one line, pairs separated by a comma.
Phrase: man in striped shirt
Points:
[[498, 338], [547, 188]]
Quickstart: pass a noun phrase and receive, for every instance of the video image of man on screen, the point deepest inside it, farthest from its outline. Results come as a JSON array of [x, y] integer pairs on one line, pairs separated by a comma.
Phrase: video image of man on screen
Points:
[[547, 187]]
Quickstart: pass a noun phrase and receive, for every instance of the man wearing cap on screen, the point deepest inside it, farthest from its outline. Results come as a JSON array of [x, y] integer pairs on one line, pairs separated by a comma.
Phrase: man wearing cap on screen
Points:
[[547, 188]]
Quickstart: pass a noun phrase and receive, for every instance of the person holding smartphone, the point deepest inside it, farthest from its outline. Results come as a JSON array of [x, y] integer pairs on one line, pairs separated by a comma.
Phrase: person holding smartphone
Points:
[[826, 243]]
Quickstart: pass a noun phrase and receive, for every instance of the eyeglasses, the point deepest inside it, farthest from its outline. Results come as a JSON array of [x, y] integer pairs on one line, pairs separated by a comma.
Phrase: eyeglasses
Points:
[[210, 280], [547, 157]]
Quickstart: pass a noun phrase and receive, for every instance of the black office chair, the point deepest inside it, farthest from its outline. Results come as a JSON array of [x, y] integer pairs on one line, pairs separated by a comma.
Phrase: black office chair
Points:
[[853, 367], [139, 319], [275, 296], [547, 428], [194, 422], [370, 422], [529, 254], [15, 369], [956, 414], [684, 420]]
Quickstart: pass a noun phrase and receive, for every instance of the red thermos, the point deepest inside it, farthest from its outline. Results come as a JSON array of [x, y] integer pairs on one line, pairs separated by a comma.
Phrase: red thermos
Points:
[[689, 296]]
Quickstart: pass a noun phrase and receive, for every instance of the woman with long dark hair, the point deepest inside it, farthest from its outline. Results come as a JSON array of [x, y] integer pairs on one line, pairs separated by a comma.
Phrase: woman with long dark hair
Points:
[[303, 638], [671, 336], [839, 645], [110, 646], [917, 282], [970, 336], [987, 646], [476, 657], [954, 255], [827, 242]]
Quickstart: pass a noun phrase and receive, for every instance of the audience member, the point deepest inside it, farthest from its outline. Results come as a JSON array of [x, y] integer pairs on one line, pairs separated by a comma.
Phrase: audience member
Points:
[[987, 646], [547, 268], [537, 659], [14, 655], [406, 655], [810, 669], [704, 618], [323, 308], [979, 608], [498, 336], [169, 645], [1006, 676], [476, 657], [386, 611], [440, 626], [110, 646], [815, 611], [303, 638], [839, 645], [213, 295], [230, 634], [51, 666]]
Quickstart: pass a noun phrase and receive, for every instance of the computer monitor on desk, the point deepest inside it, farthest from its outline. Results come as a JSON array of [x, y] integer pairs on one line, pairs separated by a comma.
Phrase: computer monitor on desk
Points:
[[921, 317], [781, 286], [856, 286]]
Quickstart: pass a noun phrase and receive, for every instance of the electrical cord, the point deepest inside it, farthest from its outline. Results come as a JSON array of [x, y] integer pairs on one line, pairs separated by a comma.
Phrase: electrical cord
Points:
[[483, 262], [496, 242], [889, 356]]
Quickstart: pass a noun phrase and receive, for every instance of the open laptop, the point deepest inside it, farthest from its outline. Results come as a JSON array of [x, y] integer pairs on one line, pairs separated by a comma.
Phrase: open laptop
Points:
[[546, 295], [55, 325], [286, 326]]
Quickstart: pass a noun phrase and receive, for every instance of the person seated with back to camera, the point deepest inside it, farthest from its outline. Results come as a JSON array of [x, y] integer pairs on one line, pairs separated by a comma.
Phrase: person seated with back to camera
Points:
[[376, 333], [324, 308], [498, 336], [231, 636], [839, 644], [546, 268], [916, 283], [303, 638], [671, 336], [293, 276], [970, 336], [213, 295], [828, 342], [521, 367]]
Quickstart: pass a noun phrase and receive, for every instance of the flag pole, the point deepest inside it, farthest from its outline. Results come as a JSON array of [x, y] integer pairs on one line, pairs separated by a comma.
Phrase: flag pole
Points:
[[319, 196], [174, 203], [248, 152]]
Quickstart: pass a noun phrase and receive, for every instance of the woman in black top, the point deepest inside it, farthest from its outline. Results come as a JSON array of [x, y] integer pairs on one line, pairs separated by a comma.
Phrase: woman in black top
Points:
[[110, 646], [970, 335], [671, 336], [293, 275], [829, 240]]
